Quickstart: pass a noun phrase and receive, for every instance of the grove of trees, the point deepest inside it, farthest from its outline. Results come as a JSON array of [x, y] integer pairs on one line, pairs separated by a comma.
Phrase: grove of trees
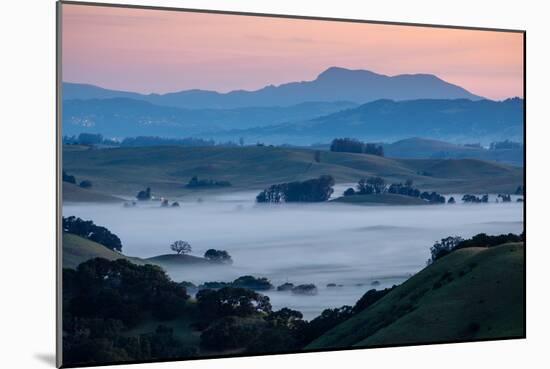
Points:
[[355, 146], [311, 190], [90, 231]]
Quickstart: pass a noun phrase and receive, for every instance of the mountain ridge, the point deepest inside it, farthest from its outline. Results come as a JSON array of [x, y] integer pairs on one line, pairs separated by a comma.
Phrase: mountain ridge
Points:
[[333, 84]]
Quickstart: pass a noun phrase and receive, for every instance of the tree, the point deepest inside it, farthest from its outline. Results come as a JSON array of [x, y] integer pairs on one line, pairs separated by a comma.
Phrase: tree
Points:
[[181, 247], [68, 178], [218, 256], [90, 139], [364, 188], [312, 190], [85, 184], [231, 301], [144, 195], [451, 200], [444, 247], [349, 192], [377, 183], [241, 141]]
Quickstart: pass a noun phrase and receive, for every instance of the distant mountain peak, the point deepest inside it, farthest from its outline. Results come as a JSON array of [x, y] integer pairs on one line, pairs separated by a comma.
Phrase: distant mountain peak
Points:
[[333, 73]]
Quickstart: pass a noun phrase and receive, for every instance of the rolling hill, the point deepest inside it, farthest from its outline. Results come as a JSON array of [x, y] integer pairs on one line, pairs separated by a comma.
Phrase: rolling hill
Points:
[[470, 294], [77, 250], [333, 84], [388, 120], [421, 148], [124, 171]]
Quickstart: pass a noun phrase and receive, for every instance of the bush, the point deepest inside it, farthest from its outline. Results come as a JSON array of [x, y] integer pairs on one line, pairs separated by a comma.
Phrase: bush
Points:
[[305, 289], [218, 256]]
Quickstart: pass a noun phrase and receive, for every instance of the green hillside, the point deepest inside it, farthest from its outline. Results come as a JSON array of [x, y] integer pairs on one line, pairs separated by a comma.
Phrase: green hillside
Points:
[[473, 293], [124, 171], [77, 250], [73, 193]]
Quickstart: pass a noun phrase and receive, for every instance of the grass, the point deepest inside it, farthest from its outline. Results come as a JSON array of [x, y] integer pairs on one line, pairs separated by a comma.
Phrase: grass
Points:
[[125, 171], [77, 250], [73, 193], [385, 198], [473, 293]]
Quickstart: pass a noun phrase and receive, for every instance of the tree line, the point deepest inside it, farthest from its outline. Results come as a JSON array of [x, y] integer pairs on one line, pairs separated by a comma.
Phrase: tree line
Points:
[[355, 146]]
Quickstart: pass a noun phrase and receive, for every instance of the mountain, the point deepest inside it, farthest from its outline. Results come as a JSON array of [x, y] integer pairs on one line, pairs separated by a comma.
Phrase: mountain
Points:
[[334, 84], [387, 120], [125, 117], [471, 294]]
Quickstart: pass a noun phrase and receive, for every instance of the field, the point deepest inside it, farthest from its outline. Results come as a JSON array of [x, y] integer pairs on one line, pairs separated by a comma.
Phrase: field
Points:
[[474, 293], [125, 171]]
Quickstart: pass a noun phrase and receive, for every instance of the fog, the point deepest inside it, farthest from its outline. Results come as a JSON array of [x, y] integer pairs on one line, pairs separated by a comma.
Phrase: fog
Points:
[[308, 243]]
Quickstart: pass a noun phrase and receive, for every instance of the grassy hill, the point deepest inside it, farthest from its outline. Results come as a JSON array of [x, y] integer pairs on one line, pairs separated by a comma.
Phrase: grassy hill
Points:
[[77, 250], [73, 193], [125, 171], [473, 293], [176, 260]]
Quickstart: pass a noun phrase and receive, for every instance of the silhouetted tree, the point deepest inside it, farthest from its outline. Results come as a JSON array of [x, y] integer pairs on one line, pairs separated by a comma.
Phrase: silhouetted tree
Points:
[[181, 247]]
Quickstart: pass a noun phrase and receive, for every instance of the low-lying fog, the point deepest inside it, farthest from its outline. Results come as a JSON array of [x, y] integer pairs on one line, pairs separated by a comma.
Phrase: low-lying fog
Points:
[[349, 245]]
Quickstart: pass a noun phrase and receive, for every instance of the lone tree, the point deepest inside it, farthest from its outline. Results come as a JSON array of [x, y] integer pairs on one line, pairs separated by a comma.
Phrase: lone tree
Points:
[[181, 247]]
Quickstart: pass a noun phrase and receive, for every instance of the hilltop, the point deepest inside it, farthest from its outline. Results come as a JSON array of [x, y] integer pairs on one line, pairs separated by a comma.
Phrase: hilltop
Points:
[[470, 294]]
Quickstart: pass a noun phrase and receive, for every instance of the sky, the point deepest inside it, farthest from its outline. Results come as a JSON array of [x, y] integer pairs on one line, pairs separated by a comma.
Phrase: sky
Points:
[[165, 51]]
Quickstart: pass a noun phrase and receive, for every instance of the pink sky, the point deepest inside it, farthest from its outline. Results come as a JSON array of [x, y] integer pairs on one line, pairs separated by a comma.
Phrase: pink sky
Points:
[[164, 51]]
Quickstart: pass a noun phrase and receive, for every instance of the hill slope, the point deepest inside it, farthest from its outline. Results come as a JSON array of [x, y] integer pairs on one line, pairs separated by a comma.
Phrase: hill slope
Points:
[[473, 293], [124, 171], [77, 250], [334, 84]]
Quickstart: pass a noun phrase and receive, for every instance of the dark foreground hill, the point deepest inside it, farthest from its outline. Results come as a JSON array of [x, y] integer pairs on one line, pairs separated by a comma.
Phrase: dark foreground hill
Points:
[[125, 171], [470, 294]]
